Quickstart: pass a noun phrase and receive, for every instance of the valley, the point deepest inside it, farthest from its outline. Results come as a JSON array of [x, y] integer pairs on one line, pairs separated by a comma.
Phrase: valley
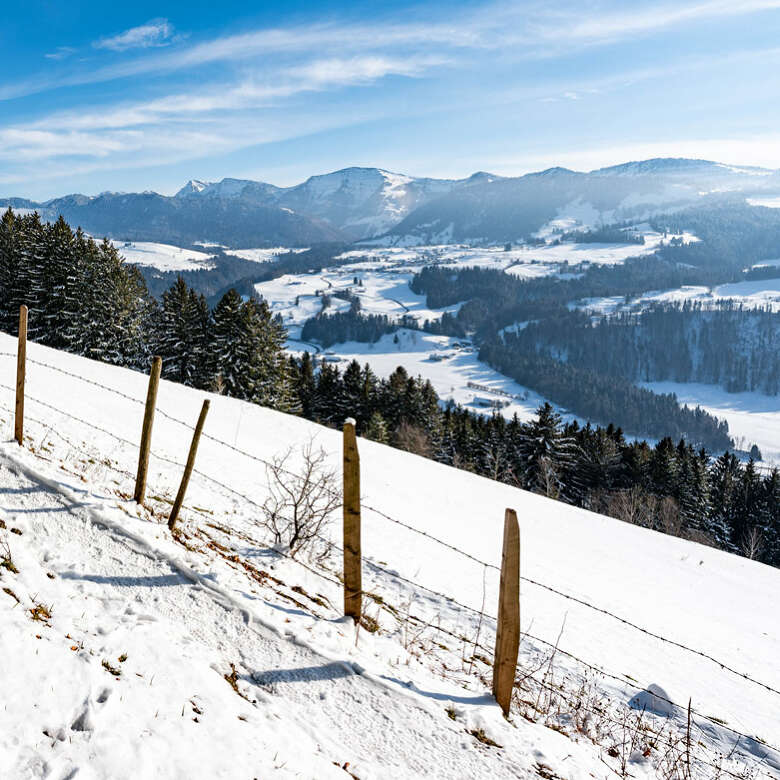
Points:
[[375, 275]]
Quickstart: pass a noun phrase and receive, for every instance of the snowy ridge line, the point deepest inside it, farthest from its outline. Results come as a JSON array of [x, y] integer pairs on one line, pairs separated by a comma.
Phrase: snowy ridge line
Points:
[[698, 759], [387, 517]]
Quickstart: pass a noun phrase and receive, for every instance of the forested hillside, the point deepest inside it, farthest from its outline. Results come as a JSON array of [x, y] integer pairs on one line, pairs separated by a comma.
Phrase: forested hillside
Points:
[[723, 344]]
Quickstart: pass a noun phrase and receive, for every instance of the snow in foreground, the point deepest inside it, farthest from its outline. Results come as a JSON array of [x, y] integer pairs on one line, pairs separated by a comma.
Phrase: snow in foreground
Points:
[[128, 654]]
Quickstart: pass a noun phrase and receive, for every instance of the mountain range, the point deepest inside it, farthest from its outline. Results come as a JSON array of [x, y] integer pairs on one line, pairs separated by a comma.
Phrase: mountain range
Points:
[[372, 205]]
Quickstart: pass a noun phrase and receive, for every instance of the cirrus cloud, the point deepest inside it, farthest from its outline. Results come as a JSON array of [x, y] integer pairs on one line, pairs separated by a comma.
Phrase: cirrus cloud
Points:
[[155, 33]]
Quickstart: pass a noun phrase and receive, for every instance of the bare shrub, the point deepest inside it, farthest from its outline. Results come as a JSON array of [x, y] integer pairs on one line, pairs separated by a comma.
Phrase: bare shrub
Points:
[[632, 506], [413, 439], [668, 517], [6, 561], [549, 481], [752, 544], [301, 497]]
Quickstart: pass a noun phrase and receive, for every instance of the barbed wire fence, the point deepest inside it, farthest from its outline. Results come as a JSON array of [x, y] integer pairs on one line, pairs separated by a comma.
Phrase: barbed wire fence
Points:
[[389, 574]]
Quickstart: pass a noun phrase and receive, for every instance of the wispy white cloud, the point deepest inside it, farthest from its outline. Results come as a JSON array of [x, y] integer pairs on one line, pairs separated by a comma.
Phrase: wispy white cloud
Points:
[[356, 70], [623, 24], [60, 53], [515, 30], [223, 115], [155, 33]]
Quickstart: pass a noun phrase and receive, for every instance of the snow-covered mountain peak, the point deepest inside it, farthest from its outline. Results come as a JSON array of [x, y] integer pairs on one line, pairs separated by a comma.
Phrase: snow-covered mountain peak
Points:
[[659, 165], [192, 187], [482, 177]]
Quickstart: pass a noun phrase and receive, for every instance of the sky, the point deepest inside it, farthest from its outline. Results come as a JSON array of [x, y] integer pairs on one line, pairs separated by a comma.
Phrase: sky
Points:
[[146, 95]]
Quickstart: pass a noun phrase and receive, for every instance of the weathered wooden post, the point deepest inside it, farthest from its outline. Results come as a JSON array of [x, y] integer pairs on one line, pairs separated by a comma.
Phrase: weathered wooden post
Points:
[[21, 368], [353, 585], [146, 432], [185, 480], [508, 629]]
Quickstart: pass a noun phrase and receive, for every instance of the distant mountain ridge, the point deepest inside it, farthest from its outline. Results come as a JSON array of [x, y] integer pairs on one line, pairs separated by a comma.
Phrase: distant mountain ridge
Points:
[[512, 209], [375, 205], [359, 202]]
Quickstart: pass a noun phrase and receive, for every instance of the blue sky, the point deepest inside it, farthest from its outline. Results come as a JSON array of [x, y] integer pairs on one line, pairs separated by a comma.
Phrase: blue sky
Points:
[[133, 96]]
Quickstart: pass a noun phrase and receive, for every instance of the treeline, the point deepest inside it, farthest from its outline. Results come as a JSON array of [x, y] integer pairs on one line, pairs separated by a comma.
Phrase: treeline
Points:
[[611, 234], [597, 396], [724, 344], [733, 234], [227, 270], [675, 489], [351, 325], [495, 299], [83, 299]]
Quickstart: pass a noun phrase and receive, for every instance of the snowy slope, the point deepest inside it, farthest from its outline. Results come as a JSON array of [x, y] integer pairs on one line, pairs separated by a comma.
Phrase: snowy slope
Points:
[[164, 257], [399, 703]]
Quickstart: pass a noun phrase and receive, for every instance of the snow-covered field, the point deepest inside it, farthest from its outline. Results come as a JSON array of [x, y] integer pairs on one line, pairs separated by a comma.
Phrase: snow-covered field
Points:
[[563, 254], [164, 257], [384, 273], [129, 671], [753, 418], [450, 364], [298, 297], [753, 294], [261, 255], [520, 260]]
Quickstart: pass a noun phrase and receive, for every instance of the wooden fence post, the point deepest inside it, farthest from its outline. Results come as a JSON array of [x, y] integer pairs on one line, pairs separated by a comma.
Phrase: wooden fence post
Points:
[[353, 585], [508, 630], [146, 432], [21, 368], [185, 480]]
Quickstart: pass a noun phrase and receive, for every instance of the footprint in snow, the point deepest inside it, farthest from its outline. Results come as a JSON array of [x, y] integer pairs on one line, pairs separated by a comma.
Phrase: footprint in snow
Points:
[[84, 720]]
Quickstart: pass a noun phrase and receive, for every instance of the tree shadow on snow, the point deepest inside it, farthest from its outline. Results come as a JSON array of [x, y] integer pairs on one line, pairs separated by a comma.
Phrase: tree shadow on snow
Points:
[[305, 674], [480, 698], [144, 582]]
